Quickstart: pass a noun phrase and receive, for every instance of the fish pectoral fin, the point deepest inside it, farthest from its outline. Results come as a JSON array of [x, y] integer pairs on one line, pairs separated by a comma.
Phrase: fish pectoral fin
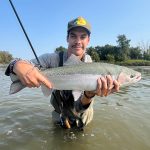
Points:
[[45, 90], [121, 78], [16, 87]]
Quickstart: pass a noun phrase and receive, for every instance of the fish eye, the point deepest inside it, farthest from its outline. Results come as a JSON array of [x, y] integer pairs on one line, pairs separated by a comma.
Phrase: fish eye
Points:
[[131, 76]]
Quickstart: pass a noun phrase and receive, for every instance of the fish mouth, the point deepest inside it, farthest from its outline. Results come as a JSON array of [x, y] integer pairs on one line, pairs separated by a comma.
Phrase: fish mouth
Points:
[[138, 77]]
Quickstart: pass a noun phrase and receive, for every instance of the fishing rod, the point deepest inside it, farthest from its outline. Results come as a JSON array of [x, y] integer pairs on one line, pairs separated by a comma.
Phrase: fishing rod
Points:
[[25, 33]]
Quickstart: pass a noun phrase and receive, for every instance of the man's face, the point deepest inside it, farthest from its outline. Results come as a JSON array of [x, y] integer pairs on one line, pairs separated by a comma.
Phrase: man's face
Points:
[[78, 40]]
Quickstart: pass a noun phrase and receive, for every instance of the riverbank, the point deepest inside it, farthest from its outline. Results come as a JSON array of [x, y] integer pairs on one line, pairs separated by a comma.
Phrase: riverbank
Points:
[[3, 65], [133, 62]]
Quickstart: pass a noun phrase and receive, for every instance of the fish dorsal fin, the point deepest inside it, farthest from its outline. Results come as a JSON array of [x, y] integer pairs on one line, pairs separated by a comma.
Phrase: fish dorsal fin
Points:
[[72, 60]]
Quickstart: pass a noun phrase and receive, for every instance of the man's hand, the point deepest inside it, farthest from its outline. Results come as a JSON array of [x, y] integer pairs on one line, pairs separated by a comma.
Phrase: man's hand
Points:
[[105, 86], [29, 75]]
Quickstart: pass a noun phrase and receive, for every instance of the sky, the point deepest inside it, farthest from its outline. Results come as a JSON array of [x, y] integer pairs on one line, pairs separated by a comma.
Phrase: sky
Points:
[[45, 22]]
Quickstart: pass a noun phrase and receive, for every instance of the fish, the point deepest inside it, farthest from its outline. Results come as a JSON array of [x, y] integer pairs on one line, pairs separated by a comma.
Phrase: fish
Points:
[[81, 76]]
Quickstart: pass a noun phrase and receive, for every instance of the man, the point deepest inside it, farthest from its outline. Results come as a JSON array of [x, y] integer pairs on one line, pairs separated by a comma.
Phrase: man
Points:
[[72, 108]]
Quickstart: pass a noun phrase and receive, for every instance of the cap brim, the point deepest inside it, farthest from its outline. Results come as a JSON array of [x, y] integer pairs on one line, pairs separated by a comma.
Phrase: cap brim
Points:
[[87, 30]]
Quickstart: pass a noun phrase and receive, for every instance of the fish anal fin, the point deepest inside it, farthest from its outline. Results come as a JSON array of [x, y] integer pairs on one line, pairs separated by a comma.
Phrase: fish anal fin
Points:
[[16, 87], [46, 91]]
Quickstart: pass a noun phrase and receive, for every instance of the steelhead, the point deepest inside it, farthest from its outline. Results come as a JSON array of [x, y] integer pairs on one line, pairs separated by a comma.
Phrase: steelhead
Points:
[[77, 75]]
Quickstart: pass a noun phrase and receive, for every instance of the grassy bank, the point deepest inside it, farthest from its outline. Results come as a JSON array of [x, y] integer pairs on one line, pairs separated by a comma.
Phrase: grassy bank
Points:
[[134, 62]]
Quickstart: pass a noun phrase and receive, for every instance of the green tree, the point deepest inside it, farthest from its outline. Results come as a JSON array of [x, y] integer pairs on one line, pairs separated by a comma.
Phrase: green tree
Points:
[[107, 51], [60, 48], [135, 53], [110, 58], [124, 45], [5, 57], [103, 51], [146, 56], [93, 53], [148, 51]]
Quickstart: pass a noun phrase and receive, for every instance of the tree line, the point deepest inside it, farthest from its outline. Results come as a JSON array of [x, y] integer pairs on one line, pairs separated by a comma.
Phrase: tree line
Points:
[[110, 53], [122, 52]]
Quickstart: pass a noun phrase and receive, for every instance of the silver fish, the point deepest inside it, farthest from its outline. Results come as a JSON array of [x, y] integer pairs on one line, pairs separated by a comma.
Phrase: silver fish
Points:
[[77, 75]]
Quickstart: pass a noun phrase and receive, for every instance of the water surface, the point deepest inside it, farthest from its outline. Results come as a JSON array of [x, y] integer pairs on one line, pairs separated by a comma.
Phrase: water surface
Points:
[[121, 121]]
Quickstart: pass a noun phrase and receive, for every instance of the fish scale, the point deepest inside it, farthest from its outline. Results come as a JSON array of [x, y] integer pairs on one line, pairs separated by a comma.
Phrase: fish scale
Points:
[[85, 68]]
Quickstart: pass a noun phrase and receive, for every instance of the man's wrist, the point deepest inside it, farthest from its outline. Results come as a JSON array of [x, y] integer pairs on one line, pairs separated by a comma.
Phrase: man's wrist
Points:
[[17, 64], [9, 69], [88, 96]]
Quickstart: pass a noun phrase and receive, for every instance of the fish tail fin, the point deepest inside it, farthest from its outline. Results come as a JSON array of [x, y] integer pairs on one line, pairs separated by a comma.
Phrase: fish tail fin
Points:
[[46, 91], [16, 87]]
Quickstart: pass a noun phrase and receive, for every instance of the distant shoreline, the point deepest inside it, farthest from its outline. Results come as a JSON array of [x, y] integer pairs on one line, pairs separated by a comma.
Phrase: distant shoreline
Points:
[[134, 63], [3, 65]]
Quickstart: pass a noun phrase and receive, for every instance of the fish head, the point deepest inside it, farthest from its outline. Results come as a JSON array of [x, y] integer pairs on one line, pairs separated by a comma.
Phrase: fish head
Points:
[[128, 76]]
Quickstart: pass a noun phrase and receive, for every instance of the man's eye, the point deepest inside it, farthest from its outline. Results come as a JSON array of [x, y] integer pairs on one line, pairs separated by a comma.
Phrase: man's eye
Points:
[[72, 36], [83, 37]]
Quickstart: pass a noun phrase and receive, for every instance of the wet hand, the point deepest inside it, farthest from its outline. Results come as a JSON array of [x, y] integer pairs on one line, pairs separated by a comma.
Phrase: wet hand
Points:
[[30, 75], [105, 86]]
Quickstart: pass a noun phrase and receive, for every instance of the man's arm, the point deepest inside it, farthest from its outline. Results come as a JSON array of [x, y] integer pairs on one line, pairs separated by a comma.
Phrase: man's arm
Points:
[[28, 73]]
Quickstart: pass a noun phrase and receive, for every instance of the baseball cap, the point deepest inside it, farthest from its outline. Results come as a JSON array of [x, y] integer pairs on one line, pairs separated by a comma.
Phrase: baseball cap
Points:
[[79, 22]]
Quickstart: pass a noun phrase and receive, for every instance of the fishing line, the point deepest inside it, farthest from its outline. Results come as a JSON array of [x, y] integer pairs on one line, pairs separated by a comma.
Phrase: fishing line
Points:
[[25, 33]]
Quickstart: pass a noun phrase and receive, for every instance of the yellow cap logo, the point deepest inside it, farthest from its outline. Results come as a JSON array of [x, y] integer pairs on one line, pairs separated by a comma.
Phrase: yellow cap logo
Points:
[[81, 21]]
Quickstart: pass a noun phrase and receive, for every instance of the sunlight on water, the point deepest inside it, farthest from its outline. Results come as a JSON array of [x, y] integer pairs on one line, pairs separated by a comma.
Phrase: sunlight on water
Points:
[[121, 121]]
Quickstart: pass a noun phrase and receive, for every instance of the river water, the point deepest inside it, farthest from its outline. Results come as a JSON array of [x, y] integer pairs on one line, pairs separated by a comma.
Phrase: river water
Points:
[[121, 120]]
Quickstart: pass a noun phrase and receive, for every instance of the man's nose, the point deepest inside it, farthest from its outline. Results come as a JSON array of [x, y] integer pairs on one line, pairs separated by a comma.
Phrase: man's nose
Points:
[[78, 40]]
